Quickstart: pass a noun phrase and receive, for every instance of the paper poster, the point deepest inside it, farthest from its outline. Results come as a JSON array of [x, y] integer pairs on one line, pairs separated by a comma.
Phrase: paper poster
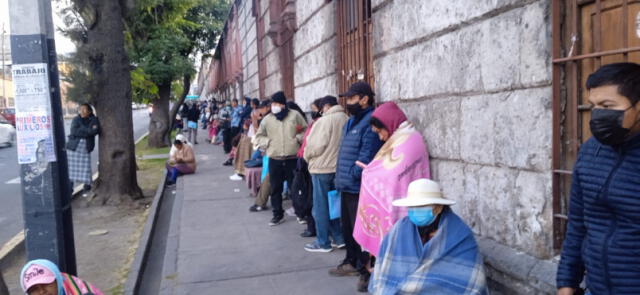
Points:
[[34, 128]]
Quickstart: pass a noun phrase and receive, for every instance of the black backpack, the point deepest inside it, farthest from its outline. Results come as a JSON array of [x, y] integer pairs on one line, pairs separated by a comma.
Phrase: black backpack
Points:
[[301, 189]]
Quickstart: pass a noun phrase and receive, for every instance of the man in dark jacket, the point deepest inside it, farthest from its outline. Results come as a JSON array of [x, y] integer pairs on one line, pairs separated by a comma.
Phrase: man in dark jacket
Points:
[[193, 114], [603, 232], [358, 147]]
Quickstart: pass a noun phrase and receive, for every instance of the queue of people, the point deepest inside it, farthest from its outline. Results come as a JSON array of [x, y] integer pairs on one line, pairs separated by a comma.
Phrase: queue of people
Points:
[[399, 231]]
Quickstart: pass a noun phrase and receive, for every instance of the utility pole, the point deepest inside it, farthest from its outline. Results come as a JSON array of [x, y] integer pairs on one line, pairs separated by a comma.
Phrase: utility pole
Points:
[[46, 192]]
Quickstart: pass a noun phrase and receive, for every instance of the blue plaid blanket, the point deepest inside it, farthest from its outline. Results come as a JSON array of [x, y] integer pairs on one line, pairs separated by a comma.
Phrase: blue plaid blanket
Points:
[[448, 264]]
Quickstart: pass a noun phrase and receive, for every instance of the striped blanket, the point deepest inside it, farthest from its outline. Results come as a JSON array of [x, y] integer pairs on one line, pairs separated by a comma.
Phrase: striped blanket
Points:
[[449, 263]]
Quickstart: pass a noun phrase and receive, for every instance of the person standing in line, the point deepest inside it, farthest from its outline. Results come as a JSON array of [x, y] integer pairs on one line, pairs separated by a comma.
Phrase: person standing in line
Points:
[[321, 152], [402, 159], [358, 147], [236, 119], [193, 114], [280, 134], [81, 143], [265, 184], [603, 232]]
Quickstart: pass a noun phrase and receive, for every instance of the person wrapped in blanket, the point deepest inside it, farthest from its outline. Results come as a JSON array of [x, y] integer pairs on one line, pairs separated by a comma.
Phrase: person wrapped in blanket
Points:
[[42, 277], [431, 251]]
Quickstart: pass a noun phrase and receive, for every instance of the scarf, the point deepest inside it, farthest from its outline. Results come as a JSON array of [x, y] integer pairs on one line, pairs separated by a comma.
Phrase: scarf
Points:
[[282, 114], [390, 115], [449, 263], [401, 160], [67, 284]]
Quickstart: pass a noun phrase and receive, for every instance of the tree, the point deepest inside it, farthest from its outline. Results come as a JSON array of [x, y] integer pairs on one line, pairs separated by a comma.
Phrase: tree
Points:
[[97, 26], [166, 35]]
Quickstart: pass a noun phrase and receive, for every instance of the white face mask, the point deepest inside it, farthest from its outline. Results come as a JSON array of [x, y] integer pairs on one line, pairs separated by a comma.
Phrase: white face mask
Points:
[[276, 109]]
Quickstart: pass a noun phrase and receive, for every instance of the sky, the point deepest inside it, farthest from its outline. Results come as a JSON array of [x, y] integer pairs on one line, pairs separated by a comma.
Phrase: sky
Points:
[[63, 44]]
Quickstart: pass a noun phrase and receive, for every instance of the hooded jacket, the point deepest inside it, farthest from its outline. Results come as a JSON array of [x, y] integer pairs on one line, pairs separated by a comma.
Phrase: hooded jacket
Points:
[[603, 231], [323, 141]]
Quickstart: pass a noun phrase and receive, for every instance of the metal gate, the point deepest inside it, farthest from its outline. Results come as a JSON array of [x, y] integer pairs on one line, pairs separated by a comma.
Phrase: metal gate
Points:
[[586, 35], [355, 57]]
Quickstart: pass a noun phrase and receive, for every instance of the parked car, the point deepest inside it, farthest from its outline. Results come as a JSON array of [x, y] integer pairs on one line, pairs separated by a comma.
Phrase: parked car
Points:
[[9, 114], [7, 132]]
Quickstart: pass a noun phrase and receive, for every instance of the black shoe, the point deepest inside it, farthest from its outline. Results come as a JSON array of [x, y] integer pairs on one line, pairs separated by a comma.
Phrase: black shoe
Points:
[[307, 234], [228, 163], [256, 208], [276, 220], [363, 283]]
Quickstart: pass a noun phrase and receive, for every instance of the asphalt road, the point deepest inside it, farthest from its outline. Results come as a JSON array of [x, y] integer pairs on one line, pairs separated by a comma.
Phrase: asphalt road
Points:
[[10, 189]]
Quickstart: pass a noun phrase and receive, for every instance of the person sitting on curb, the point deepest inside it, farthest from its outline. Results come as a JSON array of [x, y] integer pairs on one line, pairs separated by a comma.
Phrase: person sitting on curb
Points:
[[42, 276], [431, 251], [183, 161]]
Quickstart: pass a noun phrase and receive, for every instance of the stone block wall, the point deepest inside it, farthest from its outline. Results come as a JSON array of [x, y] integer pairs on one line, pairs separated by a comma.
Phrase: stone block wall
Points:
[[248, 44], [474, 76], [315, 51]]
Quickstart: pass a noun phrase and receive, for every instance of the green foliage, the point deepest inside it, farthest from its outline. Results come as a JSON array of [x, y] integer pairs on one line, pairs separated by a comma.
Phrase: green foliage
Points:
[[79, 78], [143, 89], [164, 35]]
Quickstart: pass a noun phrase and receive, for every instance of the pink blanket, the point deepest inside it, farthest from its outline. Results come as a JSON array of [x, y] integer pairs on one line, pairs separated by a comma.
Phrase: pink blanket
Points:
[[401, 160]]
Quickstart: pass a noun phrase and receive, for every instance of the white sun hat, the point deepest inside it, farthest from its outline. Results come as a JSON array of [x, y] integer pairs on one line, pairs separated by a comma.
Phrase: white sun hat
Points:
[[423, 192]]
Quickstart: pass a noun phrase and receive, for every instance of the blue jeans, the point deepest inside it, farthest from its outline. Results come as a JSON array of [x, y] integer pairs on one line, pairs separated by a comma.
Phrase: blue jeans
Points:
[[322, 185]]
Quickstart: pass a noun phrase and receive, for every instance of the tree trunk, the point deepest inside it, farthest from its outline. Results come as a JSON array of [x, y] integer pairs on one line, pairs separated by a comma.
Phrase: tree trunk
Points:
[[109, 65], [159, 122], [3, 287], [186, 81]]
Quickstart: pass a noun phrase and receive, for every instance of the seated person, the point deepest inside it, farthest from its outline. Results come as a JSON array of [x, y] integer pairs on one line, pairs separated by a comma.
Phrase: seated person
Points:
[[43, 277], [431, 251], [183, 161]]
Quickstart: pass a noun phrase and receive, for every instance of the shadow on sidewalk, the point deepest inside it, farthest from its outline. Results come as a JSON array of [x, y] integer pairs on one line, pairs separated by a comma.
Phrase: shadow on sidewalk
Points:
[[216, 246]]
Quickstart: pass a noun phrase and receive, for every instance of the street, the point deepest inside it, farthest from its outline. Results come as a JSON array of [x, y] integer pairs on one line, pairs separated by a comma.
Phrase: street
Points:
[[11, 209]]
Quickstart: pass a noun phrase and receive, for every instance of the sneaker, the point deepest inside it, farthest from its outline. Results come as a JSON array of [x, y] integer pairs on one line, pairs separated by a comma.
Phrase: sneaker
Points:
[[228, 163], [338, 246], [344, 270], [276, 221], [235, 177], [314, 247], [363, 283], [256, 208], [307, 234], [301, 221]]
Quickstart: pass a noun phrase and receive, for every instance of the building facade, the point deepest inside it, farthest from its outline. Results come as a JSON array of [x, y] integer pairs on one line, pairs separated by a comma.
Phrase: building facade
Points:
[[495, 86]]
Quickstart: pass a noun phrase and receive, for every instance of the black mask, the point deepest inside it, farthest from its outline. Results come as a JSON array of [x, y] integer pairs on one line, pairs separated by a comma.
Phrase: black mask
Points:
[[354, 109], [315, 115], [606, 126]]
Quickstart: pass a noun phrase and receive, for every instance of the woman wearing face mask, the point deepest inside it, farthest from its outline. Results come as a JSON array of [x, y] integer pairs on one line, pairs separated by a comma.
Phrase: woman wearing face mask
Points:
[[42, 277], [603, 231], [402, 159], [431, 251]]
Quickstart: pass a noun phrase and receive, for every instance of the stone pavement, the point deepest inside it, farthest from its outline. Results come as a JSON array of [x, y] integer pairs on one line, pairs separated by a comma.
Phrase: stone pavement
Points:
[[216, 246]]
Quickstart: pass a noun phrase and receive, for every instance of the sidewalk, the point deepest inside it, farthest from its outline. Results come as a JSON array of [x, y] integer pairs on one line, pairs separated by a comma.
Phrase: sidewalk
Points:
[[216, 246]]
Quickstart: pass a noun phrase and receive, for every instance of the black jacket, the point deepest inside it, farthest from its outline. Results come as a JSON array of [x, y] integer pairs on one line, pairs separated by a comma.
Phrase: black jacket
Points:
[[83, 128]]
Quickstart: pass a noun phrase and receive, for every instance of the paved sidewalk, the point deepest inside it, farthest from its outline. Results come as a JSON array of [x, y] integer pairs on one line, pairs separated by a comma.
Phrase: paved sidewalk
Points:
[[216, 246]]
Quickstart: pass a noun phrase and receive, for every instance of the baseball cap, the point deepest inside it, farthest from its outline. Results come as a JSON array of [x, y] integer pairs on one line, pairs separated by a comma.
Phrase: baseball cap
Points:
[[37, 275], [359, 88]]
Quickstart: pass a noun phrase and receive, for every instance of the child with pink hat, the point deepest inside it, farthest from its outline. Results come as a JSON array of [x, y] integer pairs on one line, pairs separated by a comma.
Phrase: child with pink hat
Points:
[[42, 277]]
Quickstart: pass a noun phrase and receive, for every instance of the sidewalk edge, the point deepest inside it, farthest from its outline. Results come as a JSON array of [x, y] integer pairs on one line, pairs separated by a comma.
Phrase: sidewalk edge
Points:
[[137, 266], [170, 265]]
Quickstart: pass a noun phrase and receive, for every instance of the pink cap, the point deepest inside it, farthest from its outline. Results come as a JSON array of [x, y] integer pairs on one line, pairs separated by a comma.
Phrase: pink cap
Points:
[[36, 275]]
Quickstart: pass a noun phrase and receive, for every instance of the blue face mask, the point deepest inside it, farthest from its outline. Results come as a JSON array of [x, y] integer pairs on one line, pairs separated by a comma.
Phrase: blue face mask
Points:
[[421, 216]]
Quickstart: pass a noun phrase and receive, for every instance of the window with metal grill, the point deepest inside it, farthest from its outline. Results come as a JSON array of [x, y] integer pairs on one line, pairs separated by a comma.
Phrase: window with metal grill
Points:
[[355, 57]]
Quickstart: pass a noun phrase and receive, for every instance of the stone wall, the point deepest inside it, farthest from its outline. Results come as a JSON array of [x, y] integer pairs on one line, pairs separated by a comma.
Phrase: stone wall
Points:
[[248, 44], [475, 77], [315, 51]]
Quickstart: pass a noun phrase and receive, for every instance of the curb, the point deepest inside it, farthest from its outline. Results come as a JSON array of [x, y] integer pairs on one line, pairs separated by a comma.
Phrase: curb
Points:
[[170, 267], [132, 284], [15, 245]]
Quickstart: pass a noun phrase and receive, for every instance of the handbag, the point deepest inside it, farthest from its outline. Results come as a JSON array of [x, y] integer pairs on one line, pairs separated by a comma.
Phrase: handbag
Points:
[[334, 205], [192, 125]]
